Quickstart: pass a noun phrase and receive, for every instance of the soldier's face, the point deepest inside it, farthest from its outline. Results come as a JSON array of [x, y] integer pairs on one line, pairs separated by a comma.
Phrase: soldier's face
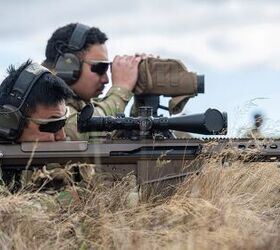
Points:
[[32, 130], [91, 84]]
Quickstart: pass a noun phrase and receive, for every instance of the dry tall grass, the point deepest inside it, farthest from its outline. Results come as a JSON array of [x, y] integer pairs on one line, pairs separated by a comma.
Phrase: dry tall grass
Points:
[[236, 207]]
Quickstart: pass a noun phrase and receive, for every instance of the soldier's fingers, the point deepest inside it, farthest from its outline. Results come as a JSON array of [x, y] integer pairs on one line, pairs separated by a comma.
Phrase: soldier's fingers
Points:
[[139, 54], [116, 58], [144, 55], [138, 59]]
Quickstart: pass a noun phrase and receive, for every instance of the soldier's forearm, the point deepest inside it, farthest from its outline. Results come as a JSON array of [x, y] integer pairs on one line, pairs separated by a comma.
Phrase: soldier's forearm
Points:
[[115, 101]]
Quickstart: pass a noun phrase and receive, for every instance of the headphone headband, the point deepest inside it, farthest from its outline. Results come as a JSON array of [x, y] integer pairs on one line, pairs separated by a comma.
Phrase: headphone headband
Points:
[[26, 80], [78, 38]]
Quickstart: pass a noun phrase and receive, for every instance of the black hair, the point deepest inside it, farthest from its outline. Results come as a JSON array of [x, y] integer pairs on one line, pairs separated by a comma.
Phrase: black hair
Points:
[[48, 90], [58, 43]]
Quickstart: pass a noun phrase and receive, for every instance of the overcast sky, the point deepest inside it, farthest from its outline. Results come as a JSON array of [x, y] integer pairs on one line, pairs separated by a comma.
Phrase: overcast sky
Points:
[[235, 44]]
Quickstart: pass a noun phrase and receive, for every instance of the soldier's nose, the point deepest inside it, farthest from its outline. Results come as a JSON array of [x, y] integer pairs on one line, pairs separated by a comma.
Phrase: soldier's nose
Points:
[[105, 78]]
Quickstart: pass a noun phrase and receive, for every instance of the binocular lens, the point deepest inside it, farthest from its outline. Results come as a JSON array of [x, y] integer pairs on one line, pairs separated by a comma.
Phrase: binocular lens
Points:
[[200, 84]]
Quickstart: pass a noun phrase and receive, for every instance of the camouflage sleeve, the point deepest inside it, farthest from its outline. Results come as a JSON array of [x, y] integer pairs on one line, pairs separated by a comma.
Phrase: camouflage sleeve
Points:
[[71, 128], [115, 101]]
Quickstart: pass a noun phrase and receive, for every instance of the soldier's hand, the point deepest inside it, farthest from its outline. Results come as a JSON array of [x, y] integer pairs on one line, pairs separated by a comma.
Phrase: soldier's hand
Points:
[[125, 71], [145, 56]]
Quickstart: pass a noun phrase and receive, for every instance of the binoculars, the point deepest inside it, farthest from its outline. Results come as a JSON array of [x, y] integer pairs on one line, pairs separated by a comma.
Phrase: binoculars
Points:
[[167, 77]]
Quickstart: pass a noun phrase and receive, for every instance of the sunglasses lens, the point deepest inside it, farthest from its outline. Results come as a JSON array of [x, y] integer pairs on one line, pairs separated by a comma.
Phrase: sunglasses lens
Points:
[[100, 68], [52, 127]]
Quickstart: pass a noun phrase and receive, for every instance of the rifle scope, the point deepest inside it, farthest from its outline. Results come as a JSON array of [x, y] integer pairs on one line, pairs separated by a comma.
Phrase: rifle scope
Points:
[[212, 122]]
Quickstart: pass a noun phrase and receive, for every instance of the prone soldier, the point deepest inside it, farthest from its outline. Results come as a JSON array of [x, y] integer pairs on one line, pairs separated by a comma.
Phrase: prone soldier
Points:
[[32, 108]]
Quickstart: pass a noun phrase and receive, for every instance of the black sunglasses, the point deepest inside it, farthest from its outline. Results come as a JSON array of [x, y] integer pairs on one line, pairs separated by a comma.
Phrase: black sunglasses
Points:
[[51, 125], [99, 67]]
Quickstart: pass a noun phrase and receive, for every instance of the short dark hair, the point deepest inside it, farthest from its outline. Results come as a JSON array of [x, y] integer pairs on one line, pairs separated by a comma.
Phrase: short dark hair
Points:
[[60, 39], [48, 90]]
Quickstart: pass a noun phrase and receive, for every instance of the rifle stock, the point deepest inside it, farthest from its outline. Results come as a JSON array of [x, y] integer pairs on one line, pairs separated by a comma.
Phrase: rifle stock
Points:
[[150, 160]]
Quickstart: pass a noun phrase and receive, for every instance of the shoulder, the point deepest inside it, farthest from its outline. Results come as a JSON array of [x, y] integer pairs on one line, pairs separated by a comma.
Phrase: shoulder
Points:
[[75, 105]]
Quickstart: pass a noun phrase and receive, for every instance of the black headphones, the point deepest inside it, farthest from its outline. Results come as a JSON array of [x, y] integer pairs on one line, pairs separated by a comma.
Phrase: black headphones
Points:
[[11, 119], [68, 65]]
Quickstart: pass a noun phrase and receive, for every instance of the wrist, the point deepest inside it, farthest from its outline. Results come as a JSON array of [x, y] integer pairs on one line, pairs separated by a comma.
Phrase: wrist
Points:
[[122, 85]]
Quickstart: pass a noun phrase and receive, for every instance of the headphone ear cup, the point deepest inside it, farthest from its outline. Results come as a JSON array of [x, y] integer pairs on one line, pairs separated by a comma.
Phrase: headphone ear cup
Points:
[[11, 122], [68, 67]]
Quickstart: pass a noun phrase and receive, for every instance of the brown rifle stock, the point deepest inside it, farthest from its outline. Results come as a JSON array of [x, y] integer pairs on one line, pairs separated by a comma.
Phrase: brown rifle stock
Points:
[[150, 160]]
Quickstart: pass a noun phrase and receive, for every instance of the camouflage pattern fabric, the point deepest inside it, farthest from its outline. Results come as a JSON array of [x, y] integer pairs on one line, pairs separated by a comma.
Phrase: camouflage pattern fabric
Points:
[[56, 177], [67, 182], [114, 102], [176, 104], [53, 176], [165, 77]]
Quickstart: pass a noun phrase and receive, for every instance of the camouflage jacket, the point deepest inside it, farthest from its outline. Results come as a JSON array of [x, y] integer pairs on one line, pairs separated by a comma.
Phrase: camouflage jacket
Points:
[[115, 101]]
